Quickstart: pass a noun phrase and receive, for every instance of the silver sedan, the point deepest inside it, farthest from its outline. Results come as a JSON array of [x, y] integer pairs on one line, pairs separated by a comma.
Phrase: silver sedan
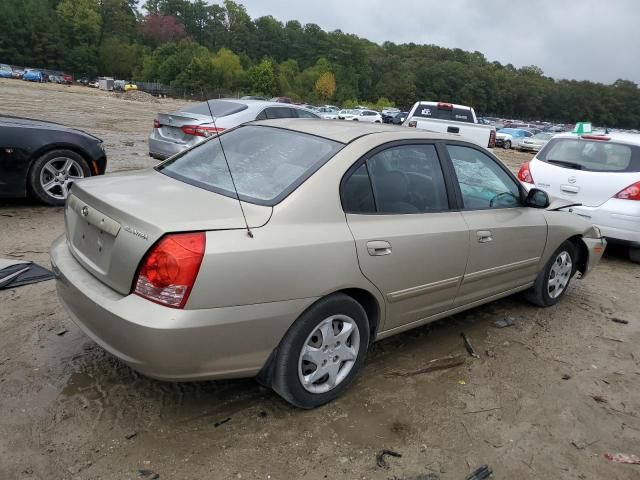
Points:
[[175, 132], [282, 249]]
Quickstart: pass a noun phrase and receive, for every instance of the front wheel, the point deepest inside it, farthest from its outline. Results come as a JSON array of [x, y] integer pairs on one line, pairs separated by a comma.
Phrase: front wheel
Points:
[[507, 145], [553, 280], [322, 352]]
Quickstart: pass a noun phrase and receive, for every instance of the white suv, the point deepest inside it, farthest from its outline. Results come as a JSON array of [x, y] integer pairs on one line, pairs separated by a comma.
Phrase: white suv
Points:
[[600, 174]]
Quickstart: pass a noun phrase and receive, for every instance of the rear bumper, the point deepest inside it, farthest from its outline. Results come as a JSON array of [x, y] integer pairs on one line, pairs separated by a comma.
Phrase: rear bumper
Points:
[[617, 219], [166, 343], [161, 148]]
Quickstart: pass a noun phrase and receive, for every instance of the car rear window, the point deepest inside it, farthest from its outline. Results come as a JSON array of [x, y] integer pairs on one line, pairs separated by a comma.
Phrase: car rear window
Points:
[[591, 155], [267, 163], [219, 108], [455, 114]]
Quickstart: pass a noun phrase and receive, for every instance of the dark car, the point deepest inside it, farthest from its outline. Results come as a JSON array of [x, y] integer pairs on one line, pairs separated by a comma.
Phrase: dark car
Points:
[[43, 159], [399, 118]]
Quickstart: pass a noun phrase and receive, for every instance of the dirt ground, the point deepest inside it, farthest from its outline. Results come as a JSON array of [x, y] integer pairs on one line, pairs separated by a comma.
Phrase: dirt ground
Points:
[[547, 398]]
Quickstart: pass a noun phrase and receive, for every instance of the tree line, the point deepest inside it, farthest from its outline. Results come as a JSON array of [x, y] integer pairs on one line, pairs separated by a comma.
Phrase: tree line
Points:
[[192, 45]]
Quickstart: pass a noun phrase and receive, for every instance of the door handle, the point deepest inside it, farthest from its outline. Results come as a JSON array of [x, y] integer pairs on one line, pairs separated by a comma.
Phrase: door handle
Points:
[[378, 248], [484, 236]]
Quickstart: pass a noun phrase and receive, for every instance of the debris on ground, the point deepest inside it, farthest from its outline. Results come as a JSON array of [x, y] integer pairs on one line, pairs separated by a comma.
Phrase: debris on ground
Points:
[[221, 422], [566, 376], [622, 458], [130, 435], [150, 474], [581, 445], [15, 273], [620, 320], [483, 472], [137, 96], [468, 346], [599, 399], [432, 366], [462, 382], [507, 322], [381, 462], [61, 332]]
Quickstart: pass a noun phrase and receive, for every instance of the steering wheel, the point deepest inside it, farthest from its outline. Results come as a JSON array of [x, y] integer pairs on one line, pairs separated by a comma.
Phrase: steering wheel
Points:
[[501, 194]]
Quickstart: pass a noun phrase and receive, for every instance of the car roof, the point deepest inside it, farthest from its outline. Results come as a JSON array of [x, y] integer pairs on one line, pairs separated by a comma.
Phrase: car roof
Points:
[[258, 103], [619, 137], [346, 132]]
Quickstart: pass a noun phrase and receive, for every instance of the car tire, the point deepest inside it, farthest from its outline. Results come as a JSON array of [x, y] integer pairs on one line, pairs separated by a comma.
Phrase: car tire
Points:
[[41, 171], [305, 343], [634, 254], [553, 281], [507, 145]]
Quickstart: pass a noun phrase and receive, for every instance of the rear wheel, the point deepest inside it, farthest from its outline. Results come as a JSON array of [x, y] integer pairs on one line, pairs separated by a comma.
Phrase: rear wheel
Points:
[[52, 175], [634, 254], [507, 145], [553, 280], [322, 352]]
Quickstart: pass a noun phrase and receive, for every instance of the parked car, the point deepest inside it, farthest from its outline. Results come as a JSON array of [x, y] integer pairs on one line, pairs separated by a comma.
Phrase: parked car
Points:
[[387, 116], [5, 71], [600, 174], [17, 72], [511, 137], [399, 118], [165, 271], [535, 142], [451, 118], [94, 84], [326, 113], [370, 116], [254, 97], [347, 114], [33, 76], [44, 159], [66, 79], [174, 132], [130, 86]]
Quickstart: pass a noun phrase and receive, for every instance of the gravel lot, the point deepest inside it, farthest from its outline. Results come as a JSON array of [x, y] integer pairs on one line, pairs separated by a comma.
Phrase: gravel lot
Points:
[[69, 410]]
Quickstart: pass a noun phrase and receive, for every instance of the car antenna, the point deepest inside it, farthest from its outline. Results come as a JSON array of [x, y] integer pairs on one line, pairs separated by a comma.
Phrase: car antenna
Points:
[[233, 182]]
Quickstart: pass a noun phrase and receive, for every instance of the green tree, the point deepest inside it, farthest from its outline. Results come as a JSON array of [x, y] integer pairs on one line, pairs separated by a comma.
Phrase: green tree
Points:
[[262, 78], [326, 85], [230, 68]]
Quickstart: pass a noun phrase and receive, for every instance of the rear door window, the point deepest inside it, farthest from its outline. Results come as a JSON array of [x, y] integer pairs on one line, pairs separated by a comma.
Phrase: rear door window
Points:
[[591, 155], [305, 113], [400, 180], [280, 112]]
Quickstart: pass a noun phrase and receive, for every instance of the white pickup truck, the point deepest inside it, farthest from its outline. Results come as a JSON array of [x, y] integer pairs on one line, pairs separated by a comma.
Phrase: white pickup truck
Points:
[[451, 118]]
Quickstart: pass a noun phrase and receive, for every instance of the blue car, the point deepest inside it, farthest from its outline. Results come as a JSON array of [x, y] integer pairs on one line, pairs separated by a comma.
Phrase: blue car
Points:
[[5, 71], [33, 76]]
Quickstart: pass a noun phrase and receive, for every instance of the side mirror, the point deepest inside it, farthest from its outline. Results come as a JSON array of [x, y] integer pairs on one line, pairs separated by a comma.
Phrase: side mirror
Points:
[[537, 198]]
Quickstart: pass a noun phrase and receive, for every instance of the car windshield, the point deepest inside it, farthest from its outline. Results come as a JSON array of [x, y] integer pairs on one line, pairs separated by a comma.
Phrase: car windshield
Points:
[[594, 156], [267, 163]]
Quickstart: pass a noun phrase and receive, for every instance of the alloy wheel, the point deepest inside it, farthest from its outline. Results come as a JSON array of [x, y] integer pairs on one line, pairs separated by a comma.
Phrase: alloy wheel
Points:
[[57, 176], [559, 275], [329, 354]]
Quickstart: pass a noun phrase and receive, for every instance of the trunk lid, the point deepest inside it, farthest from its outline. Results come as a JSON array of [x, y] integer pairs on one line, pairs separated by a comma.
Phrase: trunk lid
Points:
[[111, 222], [171, 125]]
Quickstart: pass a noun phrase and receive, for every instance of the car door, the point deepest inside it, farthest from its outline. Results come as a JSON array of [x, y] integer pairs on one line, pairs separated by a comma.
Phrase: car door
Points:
[[506, 238], [410, 243]]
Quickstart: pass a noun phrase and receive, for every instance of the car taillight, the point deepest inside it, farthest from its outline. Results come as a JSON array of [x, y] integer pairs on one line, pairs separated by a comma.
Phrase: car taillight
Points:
[[632, 192], [169, 270], [413, 124], [156, 123], [524, 175], [492, 139], [200, 131]]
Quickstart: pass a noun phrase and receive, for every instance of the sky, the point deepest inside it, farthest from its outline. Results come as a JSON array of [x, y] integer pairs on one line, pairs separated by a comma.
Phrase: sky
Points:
[[596, 40]]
